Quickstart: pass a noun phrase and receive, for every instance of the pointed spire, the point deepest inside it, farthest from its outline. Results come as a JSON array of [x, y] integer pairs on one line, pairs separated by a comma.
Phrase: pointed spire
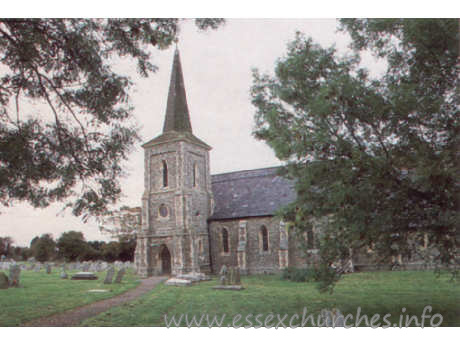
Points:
[[177, 117]]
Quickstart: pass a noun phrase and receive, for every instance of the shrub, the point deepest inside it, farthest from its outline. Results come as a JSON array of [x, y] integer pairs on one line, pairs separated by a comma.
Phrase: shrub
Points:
[[300, 274]]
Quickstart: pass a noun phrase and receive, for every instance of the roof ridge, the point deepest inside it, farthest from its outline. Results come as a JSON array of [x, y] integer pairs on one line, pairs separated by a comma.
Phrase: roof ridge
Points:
[[248, 170]]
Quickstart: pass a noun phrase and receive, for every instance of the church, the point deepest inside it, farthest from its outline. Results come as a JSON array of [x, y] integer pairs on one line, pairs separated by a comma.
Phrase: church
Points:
[[193, 221]]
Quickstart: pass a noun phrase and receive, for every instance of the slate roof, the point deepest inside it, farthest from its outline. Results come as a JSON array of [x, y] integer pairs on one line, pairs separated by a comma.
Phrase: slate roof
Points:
[[250, 193]]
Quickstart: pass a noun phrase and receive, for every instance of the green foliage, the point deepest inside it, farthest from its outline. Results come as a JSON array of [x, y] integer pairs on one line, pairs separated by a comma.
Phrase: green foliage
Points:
[[300, 274], [6, 244], [72, 246], [43, 248], [110, 251], [375, 157], [75, 152]]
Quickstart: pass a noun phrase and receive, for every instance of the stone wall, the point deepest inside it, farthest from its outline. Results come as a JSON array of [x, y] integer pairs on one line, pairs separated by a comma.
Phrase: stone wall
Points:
[[245, 245]]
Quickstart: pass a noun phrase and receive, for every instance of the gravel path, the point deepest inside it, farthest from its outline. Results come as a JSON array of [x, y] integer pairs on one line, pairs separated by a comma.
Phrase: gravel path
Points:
[[75, 316]]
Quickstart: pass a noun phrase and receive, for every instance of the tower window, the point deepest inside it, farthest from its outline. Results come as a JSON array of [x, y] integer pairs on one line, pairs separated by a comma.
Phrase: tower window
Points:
[[264, 237], [163, 210], [165, 174], [195, 174], [225, 240]]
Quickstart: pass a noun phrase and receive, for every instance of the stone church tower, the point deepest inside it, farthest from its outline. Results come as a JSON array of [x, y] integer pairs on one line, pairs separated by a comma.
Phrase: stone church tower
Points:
[[177, 199]]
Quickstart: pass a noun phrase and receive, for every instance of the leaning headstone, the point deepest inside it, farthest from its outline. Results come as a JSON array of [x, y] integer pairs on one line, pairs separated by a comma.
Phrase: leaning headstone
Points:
[[109, 277], [48, 268], [119, 276], [15, 272], [3, 281]]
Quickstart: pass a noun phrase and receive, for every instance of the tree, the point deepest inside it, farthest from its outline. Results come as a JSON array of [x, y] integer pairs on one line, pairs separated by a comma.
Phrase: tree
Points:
[[72, 245], [6, 244], [75, 152], [110, 251], [127, 247], [376, 158], [43, 248]]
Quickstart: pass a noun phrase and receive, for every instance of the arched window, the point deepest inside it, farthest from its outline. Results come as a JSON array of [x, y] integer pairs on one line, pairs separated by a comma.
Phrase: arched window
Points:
[[200, 247], [195, 174], [163, 210], [225, 240], [264, 236], [165, 174]]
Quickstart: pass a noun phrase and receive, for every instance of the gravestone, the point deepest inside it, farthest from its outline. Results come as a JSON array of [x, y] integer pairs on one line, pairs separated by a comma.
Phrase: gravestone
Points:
[[85, 267], [231, 276], [48, 268], [37, 268], [223, 275], [109, 277], [3, 281], [15, 272], [2, 258], [332, 318], [229, 279], [32, 266], [237, 277], [120, 275], [64, 274], [84, 276]]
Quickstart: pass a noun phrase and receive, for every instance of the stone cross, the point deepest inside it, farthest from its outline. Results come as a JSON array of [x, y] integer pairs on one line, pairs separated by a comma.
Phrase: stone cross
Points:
[[15, 272], [120, 275], [109, 276]]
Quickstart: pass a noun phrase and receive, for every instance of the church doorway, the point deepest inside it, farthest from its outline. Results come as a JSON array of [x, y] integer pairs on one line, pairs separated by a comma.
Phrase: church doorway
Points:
[[165, 257]]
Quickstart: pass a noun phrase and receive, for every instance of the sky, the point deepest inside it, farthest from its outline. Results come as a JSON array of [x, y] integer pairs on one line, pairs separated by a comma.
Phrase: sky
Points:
[[217, 75]]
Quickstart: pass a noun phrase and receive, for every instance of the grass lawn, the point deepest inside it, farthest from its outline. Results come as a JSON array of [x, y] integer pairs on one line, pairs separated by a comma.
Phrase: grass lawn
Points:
[[374, 292], [44, 294]]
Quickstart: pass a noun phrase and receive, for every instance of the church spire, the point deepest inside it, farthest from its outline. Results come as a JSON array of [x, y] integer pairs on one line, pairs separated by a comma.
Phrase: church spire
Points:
[[177, 117]]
